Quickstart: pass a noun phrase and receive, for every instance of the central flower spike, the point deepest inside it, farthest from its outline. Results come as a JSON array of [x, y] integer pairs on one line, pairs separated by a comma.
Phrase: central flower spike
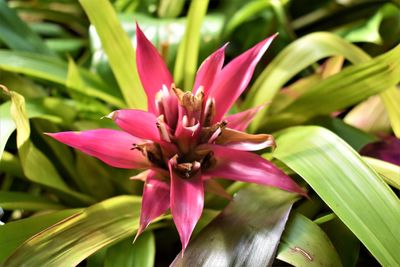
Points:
[[184, 139]]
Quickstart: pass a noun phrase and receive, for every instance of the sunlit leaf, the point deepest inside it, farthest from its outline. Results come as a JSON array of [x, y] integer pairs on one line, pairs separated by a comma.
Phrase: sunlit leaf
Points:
[[31, 157], [69, 242], [389, 172], [14, 234], [353, 190], [350, 86], [54, 70], [118, 47], [304, 52], [188, 52]]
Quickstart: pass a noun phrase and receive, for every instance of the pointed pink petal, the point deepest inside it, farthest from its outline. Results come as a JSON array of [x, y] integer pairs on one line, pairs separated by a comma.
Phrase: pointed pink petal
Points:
[[208, 70], [234, 78], [111, 146], [187, 201], [152, 70], [241, 120], [249, 167], [138, 123], [155, 200]]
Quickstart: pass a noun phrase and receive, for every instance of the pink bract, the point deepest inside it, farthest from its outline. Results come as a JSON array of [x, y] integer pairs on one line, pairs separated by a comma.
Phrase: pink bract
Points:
[[184, 139]]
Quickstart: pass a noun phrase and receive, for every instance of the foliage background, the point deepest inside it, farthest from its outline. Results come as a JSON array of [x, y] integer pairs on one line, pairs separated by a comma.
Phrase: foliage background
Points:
[[330, 81]]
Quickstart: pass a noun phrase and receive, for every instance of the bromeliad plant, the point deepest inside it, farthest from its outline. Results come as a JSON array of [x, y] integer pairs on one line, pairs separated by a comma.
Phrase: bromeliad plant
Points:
[[185, 138], [327, 99]]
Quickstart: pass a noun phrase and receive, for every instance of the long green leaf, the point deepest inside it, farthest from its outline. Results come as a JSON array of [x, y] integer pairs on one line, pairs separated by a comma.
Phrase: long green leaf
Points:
[[345, 242], [389, 172], [55, 70], [139, 254], [15, 233], [346, 88], [18, 200], [246, 233], [303, 52], [52, 109], [37, 167], [69, 242], [351, 85], [188, 52], [353, 190], [119, 50], [391, 100], [303, 243], [17, 35]]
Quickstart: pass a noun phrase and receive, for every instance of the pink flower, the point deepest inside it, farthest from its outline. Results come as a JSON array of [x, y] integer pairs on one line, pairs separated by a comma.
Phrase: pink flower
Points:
[[183, 139]]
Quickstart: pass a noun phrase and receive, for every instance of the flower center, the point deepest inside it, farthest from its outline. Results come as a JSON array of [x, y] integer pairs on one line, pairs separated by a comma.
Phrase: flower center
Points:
[[184, 122]]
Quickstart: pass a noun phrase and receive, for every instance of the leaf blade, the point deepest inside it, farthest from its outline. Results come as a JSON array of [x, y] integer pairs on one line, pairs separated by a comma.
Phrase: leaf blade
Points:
[[371, 213]]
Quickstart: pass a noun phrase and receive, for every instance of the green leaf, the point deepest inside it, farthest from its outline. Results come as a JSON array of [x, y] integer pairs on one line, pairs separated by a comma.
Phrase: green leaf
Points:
[[391, 100], [139, 254], [118, 47], [31, 157], [351, 85], [17, 200], [353, 190], [170, 8], [55, 70], [248, 11], [188, 52], [13, 234], [17, 35], [303, 243], [304, 51], [388, 171], [346, 243], [69, 242], [246, 233], [52, 109], [363, 31]]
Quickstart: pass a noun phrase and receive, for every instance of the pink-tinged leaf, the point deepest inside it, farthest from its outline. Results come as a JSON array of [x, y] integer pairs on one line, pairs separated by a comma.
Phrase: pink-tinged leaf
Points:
[[208, 70], [248, 167], [152, 70], [187, 201], [234, 78], [241, 120], [111, 146], [244, 141], [155, 200], [138, 123]]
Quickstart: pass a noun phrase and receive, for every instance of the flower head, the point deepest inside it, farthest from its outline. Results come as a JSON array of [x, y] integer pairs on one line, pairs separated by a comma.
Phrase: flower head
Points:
[[184, 139]]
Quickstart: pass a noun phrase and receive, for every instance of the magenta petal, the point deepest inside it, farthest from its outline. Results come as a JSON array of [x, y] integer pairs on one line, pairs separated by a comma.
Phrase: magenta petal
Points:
[[155, 200], [208, 70], [249, 167], [241, 120], [152, 70], [111, 146], [234, 78], [138, 123], [187, 201]]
